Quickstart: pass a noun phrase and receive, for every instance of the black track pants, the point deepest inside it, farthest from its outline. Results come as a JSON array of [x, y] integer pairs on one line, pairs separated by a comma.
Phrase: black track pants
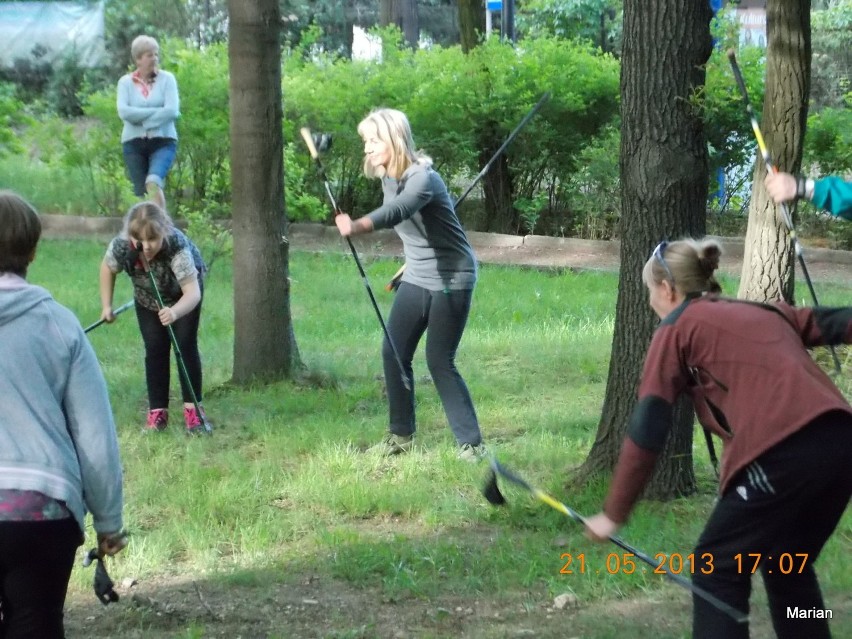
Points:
[[786, 503], [157, 354], [36, 558], [442, 315]]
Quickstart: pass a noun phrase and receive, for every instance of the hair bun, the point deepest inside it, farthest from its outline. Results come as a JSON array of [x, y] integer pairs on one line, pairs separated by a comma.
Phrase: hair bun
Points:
[[709, 253]]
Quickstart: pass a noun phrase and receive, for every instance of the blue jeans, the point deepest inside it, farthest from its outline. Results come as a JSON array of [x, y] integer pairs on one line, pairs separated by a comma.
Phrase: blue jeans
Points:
[[148, 160]]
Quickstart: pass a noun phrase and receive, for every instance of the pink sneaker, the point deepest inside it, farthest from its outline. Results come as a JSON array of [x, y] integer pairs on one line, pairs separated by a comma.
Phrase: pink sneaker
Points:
[[194, 421], [158, 419]]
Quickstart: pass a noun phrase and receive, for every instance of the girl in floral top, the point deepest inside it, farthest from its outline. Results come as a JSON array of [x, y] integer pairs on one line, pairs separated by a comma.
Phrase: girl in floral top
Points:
[[178, 270]]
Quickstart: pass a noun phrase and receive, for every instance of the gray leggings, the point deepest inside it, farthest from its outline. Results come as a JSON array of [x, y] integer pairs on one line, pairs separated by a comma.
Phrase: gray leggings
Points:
[[442, 315]]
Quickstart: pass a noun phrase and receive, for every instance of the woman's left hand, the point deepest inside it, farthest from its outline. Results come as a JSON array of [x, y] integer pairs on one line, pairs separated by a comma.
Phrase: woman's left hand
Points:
[[167, 316]]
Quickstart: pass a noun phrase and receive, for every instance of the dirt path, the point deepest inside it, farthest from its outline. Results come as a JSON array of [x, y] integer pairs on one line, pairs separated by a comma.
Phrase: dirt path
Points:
[[491, 248], [548, 252]]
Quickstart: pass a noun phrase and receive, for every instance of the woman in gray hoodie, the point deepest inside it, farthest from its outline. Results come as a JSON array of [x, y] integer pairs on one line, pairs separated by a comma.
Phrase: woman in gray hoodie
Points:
[[58, 447]]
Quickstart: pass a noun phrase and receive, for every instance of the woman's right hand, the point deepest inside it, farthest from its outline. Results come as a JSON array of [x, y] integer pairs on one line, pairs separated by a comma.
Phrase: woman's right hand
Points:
[[344, 223], [107, 315], [111, 543], [600, 527]]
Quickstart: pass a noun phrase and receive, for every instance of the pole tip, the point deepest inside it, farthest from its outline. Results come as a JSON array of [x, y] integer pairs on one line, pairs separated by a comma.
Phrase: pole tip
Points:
[[309, 141], [491, 491]]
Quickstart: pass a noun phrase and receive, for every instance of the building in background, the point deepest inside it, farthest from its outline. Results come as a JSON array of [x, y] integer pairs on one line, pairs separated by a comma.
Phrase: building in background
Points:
[[751, 15]]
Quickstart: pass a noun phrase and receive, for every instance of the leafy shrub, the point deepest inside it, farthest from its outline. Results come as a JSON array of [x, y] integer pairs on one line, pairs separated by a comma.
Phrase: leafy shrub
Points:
[[594, 196], [458, 104], [11, 118], [828, 142]]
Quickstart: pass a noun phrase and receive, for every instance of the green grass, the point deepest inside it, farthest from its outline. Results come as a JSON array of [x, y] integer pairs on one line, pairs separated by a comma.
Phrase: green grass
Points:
[[282, 488], [50, 188]]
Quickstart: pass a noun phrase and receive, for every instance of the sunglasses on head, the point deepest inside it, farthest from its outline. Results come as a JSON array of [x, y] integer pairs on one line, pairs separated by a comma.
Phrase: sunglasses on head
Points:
[[658, 255]]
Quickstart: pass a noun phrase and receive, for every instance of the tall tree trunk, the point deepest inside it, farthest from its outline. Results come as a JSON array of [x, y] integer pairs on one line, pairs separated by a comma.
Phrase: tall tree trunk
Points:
[[497, 186], [471, 23], [664, 179], [264, 343], [402, 13], [769, 260], [410, 23], [389, 12]]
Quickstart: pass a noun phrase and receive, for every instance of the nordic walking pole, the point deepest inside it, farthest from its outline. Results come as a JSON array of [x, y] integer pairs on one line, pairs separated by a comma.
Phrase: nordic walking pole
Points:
[[494, 496], [394, 283], [178, 355], [312, 149], [767, 160], [115, 313]]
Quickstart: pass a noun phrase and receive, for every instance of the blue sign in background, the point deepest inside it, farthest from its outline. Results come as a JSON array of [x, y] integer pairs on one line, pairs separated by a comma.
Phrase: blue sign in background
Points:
[[494, 5]]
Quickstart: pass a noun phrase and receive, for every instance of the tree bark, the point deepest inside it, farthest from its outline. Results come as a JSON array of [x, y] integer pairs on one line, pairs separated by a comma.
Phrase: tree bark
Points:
[[264, 343], [769, 262], [664, 181], [471, 23], [389, 13], [410, 23], [402, 13], [497, 186]]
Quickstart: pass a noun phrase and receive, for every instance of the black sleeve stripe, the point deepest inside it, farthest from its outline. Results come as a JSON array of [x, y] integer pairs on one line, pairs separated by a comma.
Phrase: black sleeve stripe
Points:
[[650, 423], [834, 323]]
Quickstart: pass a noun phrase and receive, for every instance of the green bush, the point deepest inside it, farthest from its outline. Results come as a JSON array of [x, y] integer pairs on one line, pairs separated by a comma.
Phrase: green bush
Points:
[[11, 118], [828, 143], [457, 105]]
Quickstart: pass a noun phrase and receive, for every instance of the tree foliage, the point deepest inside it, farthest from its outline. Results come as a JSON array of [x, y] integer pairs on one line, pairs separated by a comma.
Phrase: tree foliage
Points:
[[831, 65], [596, 21]]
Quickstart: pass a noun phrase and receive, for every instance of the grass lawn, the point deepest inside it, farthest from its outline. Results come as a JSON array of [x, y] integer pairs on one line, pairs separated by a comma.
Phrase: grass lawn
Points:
[[282, 496]]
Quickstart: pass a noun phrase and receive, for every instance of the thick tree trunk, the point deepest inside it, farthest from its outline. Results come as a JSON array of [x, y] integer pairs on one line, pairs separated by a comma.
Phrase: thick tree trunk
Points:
[[402, 13], [389, 13], [471, 23], [663, 164], [769, 260], [500, 213], [410, 23], [264, 343]]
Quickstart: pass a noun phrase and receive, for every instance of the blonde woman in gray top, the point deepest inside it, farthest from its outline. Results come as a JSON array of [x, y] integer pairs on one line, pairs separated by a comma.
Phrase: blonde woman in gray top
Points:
[[435, 294]]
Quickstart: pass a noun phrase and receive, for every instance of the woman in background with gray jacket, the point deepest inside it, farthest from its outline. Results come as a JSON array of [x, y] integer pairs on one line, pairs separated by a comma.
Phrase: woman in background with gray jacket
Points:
[[148, 104]]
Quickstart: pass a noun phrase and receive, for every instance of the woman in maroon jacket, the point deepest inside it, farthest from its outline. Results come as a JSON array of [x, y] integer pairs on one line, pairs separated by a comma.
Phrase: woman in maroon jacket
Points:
[[786, 472]]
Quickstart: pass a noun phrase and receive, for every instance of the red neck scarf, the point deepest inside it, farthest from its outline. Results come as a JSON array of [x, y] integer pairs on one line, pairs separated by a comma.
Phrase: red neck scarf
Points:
[[143, 84]]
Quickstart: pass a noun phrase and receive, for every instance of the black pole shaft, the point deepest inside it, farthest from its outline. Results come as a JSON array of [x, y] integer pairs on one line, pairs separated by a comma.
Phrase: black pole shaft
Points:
[[403, 374], [544, 98], [499, 469], [405, 379], [115, 313]]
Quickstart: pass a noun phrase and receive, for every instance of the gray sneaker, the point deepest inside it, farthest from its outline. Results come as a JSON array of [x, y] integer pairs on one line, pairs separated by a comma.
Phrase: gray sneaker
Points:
[[471, 453], [392, 445]]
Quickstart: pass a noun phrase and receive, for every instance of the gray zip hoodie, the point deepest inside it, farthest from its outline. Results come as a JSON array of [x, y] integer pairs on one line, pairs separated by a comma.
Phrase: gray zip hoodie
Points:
[[57, 434]]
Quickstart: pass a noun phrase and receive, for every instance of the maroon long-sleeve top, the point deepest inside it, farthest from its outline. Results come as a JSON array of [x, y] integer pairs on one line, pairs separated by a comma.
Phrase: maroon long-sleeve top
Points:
[[749, 373]]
